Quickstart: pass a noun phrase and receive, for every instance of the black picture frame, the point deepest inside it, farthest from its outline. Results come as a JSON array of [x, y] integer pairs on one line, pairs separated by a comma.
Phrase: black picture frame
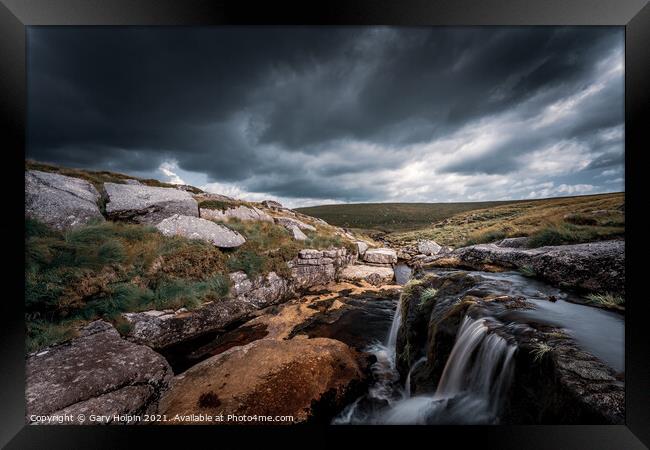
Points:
[[16, 15]]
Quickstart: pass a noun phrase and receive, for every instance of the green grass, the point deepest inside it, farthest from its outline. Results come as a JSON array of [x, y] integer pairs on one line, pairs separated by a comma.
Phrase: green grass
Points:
[[104, 269], [426, 297], [568, 233], [607, 300]]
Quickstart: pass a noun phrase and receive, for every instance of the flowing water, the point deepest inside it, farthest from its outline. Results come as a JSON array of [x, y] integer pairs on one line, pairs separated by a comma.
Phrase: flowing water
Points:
[[479, 368]]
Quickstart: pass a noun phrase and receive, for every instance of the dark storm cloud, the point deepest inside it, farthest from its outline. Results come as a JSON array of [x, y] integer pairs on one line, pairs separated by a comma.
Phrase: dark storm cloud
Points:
[[300, 112]]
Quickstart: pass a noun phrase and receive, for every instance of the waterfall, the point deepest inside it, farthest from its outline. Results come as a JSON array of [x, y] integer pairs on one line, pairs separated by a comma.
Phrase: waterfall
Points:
[[472, 385], [407, 383], [394, 328]]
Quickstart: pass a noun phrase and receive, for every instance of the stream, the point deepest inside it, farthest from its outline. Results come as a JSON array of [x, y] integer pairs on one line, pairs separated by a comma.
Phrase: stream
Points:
[[480, 366]]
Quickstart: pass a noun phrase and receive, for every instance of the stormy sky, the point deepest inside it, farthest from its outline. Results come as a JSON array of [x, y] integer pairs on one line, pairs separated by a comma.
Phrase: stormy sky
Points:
[[328, 115]]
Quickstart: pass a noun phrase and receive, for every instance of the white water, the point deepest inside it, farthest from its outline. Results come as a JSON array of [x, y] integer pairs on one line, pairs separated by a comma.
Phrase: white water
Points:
[[477, 372]]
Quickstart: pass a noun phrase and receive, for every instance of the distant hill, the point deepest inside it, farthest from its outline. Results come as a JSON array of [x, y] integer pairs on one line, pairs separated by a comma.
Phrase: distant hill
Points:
[[569, 219], [389, 217]]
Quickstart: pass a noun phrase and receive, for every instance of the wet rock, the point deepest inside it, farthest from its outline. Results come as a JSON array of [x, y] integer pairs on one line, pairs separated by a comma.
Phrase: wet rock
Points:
[[147, 204], [556, 381], [592, 267], [427, 247], [380, 256], [197, 228], [95, 373], [241, 212], [306, 378], [375, 275], [60, 201]]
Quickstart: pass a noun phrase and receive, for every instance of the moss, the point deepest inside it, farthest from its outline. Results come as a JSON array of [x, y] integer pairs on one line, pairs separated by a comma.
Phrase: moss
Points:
[[527, 271]]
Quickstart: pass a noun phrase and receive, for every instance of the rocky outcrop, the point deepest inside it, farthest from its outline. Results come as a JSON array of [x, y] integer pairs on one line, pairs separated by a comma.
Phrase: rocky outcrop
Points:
[[290, 223], [271, 204], [380, 256], [95, 373], [147, 204], [592, 267], [314, 267], [555, 379], [60, 201], [375, 275], [197, 228], [305, 378], [240, 212], [159, 329], [361, 247], [426, 247]]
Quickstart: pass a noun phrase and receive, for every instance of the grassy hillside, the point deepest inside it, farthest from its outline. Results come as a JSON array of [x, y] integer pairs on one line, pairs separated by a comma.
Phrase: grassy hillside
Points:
[[549, 222], [390, 217]]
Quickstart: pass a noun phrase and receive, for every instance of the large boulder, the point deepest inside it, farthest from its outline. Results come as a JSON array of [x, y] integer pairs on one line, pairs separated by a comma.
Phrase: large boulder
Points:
[[361, 247], [60, 201], [297, 234], [147, 204], [240, 212], [289, 223], [308, 379], [197, 228], [380, 256], [427, 247], [375, 275], [96, 373]]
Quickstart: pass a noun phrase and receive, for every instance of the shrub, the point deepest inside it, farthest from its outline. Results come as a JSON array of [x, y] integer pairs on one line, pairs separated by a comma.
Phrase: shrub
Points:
[[249, 261]]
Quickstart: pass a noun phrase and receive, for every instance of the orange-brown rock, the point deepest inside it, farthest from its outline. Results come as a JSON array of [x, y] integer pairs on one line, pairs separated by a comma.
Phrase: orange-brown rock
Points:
[[304, 378]]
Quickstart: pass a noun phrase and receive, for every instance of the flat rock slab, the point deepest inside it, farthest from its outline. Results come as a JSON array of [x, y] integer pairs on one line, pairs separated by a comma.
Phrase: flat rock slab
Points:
[[298, 377], [380, 256], [147, 204], [240, 212], [373, 274], [60, 201], [197, 228], [98, 373]]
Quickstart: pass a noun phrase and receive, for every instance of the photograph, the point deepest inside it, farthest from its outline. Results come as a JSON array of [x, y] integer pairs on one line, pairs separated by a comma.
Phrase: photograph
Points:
[[333, 225]]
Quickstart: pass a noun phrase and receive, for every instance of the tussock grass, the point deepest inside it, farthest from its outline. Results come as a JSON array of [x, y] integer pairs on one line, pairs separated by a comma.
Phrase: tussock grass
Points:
[[607, 300], [426, 297], [540, 350], [104, 269], [486, 237]]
